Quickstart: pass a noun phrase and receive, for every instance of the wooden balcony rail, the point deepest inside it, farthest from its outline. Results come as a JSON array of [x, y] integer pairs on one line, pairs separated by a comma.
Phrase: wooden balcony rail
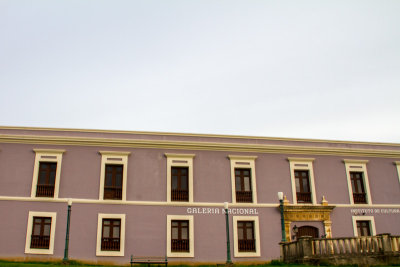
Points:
[[359, 198], [180, 245], [40, 241], [244, 196], [112, 193], [45, 190], [247, 245], [303, 197], [179, 195], [308, 248], [110, 244]]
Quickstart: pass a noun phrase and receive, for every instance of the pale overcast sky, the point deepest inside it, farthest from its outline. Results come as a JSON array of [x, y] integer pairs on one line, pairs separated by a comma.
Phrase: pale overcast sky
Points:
[[304, 69]]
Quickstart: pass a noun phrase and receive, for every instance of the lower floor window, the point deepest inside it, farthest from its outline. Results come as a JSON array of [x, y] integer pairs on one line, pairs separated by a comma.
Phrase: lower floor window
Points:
[[246, 236], [363, 228], [111, 231], [40, 237], [180, 236]]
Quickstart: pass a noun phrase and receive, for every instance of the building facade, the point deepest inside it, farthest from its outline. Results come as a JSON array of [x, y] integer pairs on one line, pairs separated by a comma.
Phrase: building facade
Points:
[[163, 194]]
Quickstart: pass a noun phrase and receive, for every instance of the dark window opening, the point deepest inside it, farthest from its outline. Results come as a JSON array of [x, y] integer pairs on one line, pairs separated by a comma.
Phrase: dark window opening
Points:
[[179, 184], [113, 182], [243, 185], [357, 185], [303, 192], [363, 228], [246, 240], [46, 179], [110, 237], [41, 228], [179, 236]]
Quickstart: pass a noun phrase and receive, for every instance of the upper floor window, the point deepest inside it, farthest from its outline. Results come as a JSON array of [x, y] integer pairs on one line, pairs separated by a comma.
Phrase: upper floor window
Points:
[[110, 235], [246, 236], [243, 185], [243, 179], [113, 175], [180, 182], [357, 181], [364, 226], [302, 177], [179, 177], [40, 233], [46, 173], [180, 236]]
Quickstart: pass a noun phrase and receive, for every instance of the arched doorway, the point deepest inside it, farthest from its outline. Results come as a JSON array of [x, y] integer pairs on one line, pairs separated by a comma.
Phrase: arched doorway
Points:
[[307, 231]]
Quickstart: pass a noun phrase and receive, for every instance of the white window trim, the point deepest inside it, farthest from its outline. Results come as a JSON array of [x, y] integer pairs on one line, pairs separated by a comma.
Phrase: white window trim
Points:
[[50, 250], [398, 169], [180, 160], [121, 251], [189, 254], [357, 166], [243, 162], [371, 220], [113, 158], [302, 164], [47, 155], [256, 236]]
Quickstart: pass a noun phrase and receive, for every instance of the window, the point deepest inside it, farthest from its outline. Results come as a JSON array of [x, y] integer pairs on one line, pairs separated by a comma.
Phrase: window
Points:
[[114, 167], [357, 181], [179, 187], [180, 236], [364, 226], [246, 241], [40, 233], [243, 185], [46, 173], [357, 185], [243, 179], [246, 236], [110, 235], [113, 182], [179, 177], [302, 177]]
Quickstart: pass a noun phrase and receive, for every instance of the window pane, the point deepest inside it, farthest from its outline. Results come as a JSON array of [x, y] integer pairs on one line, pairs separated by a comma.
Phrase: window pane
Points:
[[108, 179], [238, 184], [116, 232], [36, 229], [183, 171], [184, 184], [297, 185], [46, 230], [174, 233], [240, 233], [184, 233], [306, 188], [175, 182], [106, 231], [52, 178], [247, 184], [118, 180], [249, 233]]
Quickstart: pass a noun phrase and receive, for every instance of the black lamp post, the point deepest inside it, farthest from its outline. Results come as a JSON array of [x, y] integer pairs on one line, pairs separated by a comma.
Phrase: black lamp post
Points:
[[67, 231], [280, 196], [228, 243]]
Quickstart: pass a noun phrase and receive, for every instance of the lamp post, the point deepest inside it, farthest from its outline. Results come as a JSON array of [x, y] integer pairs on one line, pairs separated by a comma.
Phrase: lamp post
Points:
[[280, 196], [228, 243], [67, 231]]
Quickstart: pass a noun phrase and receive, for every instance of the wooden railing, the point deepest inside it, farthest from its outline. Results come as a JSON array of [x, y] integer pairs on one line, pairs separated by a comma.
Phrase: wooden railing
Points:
[[308, 249], [112, 192], [40, 241], [303, 197], [45, 190], [359, 198], [110, 244], [179, 195], [244, 196], [178, 245], [247, 245]]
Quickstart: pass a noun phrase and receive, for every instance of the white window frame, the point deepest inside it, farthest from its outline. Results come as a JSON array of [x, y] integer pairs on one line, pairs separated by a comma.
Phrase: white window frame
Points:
[[50, 250], [353, 165], [189, 254], [180, 160], [247, 162], [113, 158], [302, 164], [371, 220], [398, 169], [121, 251], [47, 155], [254, 219]]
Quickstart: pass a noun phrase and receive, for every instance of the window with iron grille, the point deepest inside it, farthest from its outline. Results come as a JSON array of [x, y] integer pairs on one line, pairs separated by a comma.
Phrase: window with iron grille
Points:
[[357, 185], [41, 228], [180, 236], [110, 237], [243, 185], [246, 240], [363, 228], [46, 179], [303, 192], [113, 181], [179, 184]]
